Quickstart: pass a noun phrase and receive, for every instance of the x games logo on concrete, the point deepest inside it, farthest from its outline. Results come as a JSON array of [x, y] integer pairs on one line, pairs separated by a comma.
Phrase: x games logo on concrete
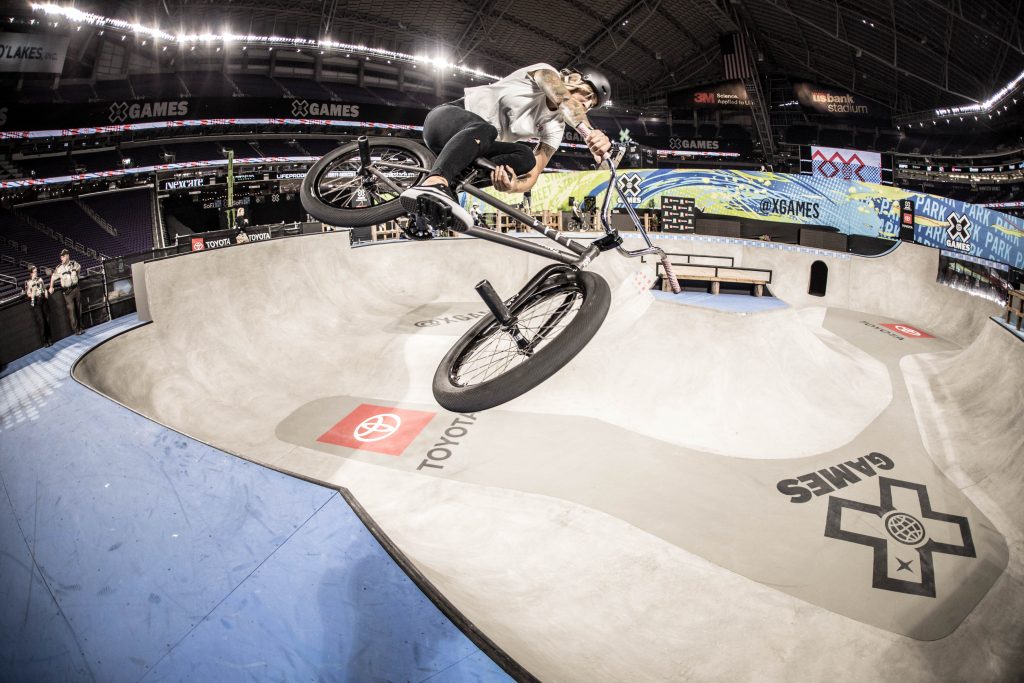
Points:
[[908, 527], [300, 107]]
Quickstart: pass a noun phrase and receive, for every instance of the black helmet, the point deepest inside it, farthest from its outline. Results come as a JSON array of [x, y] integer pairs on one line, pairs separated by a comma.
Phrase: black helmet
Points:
[[598, 82]]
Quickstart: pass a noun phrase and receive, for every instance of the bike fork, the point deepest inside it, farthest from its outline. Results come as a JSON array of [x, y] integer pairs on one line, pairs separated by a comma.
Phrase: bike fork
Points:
[[501, 313]]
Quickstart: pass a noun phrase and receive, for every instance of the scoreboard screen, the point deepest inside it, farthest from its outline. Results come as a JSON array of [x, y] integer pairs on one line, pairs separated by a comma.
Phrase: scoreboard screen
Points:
[[837, 163]]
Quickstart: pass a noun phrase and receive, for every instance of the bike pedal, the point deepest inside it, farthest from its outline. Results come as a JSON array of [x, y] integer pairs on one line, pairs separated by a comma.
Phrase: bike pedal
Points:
[[436, 213]]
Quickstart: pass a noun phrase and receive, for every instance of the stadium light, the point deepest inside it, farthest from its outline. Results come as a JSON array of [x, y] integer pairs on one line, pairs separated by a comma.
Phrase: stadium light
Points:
[[103, 23]]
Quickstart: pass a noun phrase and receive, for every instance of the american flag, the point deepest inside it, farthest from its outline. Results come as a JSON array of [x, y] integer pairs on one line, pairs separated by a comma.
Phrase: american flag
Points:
[[734, 56]]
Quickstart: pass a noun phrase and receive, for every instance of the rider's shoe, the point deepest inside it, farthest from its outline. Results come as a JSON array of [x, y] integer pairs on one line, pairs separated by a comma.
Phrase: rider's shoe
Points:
[[438, 206]]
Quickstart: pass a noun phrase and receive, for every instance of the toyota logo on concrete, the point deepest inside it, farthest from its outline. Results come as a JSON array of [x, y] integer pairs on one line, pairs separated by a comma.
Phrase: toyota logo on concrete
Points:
[[377, 428]]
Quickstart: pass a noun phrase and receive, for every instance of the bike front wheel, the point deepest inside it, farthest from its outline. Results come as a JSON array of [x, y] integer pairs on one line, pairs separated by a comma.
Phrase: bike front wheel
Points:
[[554, 320], [335, 192]]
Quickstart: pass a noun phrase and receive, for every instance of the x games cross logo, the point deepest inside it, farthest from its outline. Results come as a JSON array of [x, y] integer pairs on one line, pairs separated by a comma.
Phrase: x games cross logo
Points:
[[300, 108], [118, 112], [630, 186], [958, 232], [907, 526]]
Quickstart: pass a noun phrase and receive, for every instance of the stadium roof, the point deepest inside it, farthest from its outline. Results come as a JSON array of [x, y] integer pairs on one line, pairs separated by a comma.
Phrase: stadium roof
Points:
[[909, 55]]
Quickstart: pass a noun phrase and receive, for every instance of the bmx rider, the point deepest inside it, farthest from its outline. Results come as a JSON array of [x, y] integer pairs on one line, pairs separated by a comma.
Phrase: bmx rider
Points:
[[533, 102]]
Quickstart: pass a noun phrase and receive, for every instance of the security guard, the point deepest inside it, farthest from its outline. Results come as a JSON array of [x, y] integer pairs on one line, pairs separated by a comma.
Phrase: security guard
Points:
[[35, 290], [68, 271]]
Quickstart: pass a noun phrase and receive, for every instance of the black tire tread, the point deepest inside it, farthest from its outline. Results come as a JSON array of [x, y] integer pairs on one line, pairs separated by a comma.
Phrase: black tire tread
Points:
[[356, 218], [535, 370]]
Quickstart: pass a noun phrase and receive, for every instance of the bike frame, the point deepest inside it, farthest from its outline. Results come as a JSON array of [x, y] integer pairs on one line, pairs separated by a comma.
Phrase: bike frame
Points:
[[582, 254]]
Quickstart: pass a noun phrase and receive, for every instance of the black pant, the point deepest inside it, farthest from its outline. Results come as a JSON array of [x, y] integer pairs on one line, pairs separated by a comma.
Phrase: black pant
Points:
[[73, 302], [41, 319], [458, 137]]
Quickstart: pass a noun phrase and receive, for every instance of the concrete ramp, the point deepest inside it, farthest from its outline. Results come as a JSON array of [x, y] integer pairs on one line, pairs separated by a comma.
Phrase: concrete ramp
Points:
[[690, 471]]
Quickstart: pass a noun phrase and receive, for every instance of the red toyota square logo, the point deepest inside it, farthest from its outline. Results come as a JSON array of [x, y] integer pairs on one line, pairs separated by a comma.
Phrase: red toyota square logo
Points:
[[198, 244], [378, 428], [907, 331]]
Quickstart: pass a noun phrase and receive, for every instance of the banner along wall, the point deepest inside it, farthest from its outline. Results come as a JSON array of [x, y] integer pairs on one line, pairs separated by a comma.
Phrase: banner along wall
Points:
[[852, 207]]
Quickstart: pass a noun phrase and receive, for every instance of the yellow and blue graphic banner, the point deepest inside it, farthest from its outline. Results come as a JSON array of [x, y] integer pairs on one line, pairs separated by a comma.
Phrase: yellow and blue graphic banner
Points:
[[852, 207]]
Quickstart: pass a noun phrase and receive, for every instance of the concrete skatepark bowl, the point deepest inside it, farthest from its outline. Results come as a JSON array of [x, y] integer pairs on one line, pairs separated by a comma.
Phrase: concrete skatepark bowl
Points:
[[827, 489]]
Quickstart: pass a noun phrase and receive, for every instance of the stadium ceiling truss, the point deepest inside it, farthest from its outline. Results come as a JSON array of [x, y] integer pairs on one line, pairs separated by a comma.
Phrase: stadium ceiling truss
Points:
[[908, 55]]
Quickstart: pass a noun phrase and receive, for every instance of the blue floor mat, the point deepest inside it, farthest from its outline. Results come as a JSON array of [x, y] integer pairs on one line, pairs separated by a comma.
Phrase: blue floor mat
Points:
[[730, 303]]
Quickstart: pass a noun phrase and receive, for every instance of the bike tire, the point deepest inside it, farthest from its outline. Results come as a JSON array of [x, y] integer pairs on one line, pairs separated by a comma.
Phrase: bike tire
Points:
[[323, 211], [531, 372]]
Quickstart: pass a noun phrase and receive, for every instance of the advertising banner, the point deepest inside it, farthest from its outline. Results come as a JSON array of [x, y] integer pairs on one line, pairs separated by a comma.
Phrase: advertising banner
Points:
[[725, 95], [846, 164], [198, 109], [833, 102], [853, 207], [32, 53], [678, 213]]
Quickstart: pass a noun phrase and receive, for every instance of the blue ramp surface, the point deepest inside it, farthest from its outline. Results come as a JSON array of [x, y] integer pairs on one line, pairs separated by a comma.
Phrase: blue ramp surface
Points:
[[129, 552]]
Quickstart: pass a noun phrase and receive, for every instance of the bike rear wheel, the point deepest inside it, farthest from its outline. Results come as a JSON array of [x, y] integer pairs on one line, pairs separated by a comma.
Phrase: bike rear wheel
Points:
[[334, 191], [558, 318]]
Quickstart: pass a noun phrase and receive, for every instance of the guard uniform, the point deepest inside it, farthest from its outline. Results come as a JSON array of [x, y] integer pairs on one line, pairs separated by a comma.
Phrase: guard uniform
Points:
[[35, 289], [68, 275]]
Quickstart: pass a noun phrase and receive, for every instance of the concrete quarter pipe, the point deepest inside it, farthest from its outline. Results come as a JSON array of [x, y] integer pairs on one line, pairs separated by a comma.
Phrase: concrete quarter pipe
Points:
[[810, 474]]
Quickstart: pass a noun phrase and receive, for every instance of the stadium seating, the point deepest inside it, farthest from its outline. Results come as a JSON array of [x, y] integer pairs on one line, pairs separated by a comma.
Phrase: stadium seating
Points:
[[157, 86], [131, 214], [256, 85], [305, 88]]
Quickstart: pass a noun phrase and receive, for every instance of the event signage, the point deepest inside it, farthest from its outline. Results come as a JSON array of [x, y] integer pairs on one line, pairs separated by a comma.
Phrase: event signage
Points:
[[907, 219], [678, 213], [831, 102], [846, 164], [852, 207], [725, 95], [196, 110], [32, 53]]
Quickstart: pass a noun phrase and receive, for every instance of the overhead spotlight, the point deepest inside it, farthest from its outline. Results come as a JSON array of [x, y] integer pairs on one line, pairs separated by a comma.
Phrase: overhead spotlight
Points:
[[123, 37], [164, 48], [244, 48], [218, 48]]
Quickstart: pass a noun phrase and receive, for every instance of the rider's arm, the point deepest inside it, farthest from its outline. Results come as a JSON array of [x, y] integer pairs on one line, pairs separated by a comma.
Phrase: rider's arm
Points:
[[572, 110], [558, 96], [505, 181]]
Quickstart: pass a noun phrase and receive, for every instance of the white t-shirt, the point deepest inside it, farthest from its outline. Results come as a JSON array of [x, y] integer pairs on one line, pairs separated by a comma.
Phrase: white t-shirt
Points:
[[517, 107]]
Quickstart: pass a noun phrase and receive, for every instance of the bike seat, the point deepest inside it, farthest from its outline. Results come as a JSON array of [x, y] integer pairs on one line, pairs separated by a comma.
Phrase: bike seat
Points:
[[485, 163]]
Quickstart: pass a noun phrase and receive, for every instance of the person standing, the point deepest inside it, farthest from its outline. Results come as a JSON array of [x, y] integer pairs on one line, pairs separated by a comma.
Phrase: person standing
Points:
[[35, 290], [67, 272]]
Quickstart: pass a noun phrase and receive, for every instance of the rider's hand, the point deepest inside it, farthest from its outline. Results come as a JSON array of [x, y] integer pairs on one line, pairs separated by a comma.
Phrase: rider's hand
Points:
[[504, 179], [599, 144]]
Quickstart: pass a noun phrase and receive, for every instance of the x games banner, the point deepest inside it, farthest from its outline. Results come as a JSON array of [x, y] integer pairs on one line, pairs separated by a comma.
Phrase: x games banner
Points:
[[24, 117]]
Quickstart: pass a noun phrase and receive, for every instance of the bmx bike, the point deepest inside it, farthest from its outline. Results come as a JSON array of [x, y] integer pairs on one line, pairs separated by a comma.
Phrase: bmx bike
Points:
[[524, 339]]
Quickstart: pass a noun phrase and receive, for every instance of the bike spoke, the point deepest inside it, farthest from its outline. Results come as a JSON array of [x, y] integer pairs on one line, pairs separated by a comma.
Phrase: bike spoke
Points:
[[497, 352]]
